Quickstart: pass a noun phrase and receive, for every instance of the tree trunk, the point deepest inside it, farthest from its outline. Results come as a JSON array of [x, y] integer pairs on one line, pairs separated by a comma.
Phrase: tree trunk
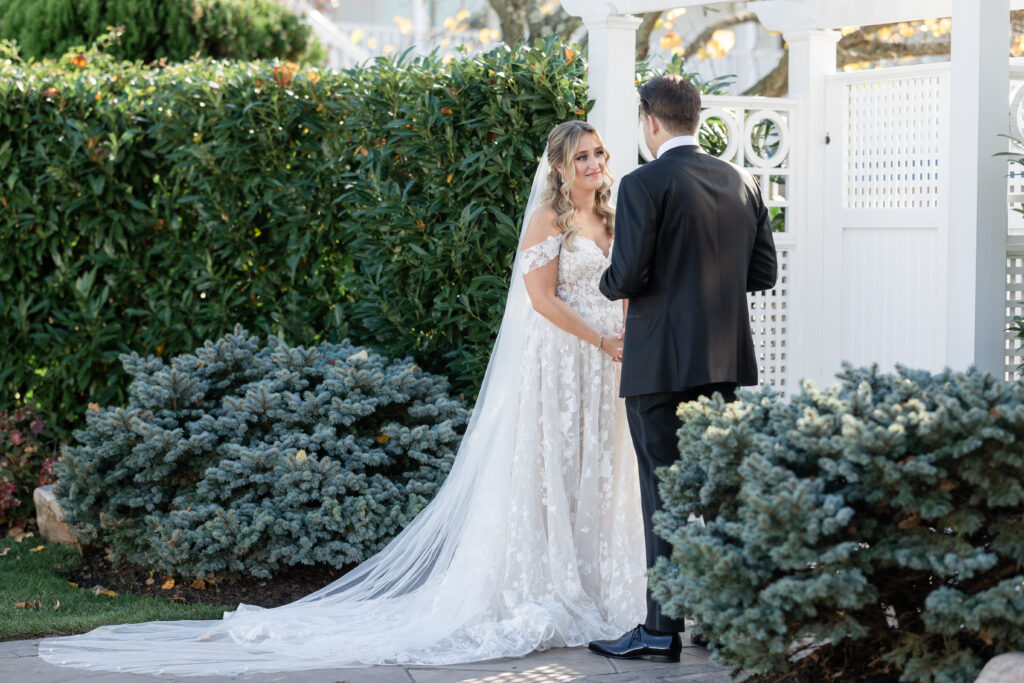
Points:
[[512, 15]]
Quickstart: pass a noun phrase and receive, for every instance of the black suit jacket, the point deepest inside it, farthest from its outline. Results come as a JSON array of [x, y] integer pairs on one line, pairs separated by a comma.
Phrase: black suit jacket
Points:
[[692, 237]]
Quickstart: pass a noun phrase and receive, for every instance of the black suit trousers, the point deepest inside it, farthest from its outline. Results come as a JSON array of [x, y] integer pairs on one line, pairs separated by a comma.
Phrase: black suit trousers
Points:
[[653, 425]]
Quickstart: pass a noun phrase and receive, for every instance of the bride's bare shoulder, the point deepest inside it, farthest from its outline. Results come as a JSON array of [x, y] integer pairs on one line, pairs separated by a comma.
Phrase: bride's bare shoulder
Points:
[[542, 225]]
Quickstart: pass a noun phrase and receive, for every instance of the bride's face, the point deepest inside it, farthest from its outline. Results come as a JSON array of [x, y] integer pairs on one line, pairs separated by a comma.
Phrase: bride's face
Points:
[[589, 163]]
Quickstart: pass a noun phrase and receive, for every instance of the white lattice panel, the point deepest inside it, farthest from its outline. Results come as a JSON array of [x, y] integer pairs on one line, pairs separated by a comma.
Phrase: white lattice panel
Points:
[[1014, 306], [894, 142], [769, 312], [759, 137]]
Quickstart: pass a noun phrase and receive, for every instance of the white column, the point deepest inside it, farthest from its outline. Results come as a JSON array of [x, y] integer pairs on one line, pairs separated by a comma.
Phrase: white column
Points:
[[420, 23], [612, 55], [812, 57], [977, 201]]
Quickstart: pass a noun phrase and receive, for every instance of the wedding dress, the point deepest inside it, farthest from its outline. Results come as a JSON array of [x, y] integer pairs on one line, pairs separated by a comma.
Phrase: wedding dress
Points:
[[534, 541]]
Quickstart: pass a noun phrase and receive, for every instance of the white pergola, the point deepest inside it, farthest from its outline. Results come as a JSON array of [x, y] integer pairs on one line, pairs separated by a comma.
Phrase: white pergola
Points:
[[952, 243]]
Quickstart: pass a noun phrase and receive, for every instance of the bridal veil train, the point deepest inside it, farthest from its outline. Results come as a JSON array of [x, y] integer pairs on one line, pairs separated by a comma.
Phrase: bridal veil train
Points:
[[534, 541]]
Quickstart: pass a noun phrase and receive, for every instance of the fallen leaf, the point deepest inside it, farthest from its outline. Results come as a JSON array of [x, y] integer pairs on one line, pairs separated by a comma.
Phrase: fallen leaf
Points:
[[168, 585], [37, 549], [21, 536], [383, 438], [95, 407], [35, 604], [150, 581], [985, 637], [301, 455], [910, 522], [56, 566], [4, 551], [72, 584], [108, 593], [198, 585], [204, 637], [175, 598], [57, 606]]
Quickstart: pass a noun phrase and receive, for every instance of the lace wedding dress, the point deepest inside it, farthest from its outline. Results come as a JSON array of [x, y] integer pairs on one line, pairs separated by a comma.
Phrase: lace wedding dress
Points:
[[534, 541]]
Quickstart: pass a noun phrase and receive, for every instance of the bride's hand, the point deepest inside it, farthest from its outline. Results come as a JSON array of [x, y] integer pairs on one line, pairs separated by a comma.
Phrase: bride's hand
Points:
[[612, 345]]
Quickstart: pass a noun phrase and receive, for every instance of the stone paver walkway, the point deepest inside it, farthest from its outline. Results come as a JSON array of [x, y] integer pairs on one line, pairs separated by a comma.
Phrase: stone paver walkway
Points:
[[19, 663]]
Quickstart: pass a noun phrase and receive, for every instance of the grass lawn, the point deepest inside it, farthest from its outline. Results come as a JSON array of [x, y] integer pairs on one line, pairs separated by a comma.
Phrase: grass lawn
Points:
[[27, 576]]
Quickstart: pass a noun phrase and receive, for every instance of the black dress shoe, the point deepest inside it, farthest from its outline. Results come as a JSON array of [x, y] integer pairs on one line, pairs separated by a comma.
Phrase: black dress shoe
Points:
[[641, 643]]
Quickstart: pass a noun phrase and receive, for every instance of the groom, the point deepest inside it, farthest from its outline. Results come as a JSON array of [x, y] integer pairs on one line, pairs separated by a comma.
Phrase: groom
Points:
[[692, 237]]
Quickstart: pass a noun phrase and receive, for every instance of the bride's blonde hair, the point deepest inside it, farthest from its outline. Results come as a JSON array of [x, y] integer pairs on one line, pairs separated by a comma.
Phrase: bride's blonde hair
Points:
[[563, 142]]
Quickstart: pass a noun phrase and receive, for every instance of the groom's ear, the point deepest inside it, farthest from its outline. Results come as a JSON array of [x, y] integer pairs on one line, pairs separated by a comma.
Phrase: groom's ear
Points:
[[654, 123]]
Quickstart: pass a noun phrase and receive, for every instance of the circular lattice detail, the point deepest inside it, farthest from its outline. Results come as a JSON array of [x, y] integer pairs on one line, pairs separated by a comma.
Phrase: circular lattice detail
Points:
[[756, 118], [732, 132], [1017, 115]]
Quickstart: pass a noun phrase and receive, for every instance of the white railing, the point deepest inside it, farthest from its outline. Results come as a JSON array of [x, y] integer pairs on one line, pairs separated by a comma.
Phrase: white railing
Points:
[[384, 39], [1014, 222], [342, 53], [1015, 171], [758, 134]]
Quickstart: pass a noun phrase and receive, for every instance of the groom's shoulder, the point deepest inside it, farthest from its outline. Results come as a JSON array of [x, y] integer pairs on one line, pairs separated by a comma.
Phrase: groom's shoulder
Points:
[[727, 167], [644, 173]]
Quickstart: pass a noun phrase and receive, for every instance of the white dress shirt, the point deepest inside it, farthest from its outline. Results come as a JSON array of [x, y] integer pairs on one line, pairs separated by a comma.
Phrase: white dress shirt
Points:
[[678, 141]]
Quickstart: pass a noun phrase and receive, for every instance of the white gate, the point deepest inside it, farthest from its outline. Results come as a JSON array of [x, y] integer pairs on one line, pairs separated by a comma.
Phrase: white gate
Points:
[[885, 234]]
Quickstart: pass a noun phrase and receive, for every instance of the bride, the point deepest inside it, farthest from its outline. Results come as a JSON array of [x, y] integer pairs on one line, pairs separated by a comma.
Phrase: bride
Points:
[[534, 541]]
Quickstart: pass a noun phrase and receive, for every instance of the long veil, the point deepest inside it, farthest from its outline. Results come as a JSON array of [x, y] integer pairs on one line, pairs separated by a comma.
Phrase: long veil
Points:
[[417, 601]]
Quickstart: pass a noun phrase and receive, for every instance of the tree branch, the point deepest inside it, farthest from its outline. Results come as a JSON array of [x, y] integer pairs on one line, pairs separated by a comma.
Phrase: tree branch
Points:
[[643, 34], [705, 36], [863, 46]]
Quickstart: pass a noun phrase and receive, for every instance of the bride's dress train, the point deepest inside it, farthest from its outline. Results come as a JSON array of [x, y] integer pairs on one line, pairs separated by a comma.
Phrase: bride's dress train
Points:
[[534, 541]]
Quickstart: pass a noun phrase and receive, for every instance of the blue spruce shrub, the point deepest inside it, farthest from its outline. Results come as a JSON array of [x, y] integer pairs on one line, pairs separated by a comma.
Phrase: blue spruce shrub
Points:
[[874, 530], [249, 458]]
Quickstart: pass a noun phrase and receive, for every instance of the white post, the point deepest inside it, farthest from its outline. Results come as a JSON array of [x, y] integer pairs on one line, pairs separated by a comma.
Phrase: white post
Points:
[[812, 57], [977, 201], [612, 55], [420, 23]]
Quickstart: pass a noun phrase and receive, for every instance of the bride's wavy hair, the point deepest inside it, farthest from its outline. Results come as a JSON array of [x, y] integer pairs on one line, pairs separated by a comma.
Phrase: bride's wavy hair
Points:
[[563, 142]]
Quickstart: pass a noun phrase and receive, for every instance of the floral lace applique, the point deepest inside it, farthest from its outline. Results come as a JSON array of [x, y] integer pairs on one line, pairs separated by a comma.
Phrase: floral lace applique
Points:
[[540, 254]]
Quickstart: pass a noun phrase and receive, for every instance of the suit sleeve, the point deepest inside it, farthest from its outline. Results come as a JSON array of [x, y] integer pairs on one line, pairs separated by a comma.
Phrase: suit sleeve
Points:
[[762, 271], [636, 233]]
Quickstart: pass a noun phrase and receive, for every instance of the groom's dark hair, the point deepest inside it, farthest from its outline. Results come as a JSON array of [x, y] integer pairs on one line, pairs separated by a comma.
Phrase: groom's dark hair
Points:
[[674, 101]]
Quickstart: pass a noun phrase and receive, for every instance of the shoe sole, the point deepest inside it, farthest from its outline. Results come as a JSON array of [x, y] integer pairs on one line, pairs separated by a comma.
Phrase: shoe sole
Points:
[[670, 659]]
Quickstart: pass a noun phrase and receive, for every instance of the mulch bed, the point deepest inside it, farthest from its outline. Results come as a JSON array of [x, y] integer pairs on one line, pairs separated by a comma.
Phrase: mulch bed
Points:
[[288, 586], [849, 662]]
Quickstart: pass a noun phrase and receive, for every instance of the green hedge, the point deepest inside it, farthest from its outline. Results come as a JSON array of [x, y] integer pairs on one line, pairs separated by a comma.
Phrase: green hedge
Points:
[[155, 29], [877, 523], [437, 202], [147, 209]]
